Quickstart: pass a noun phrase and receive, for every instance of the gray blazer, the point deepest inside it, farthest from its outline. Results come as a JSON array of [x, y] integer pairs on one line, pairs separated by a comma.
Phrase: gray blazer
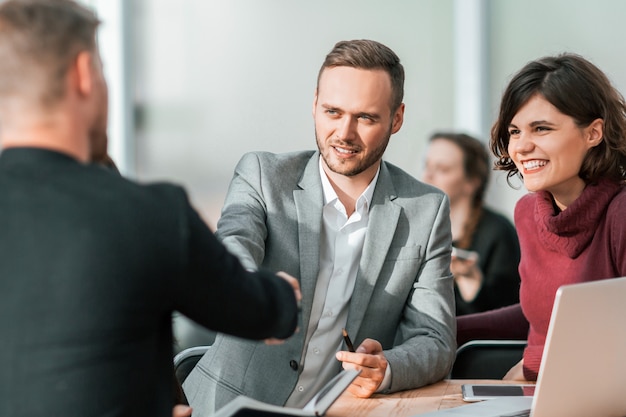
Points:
[[403, 296]]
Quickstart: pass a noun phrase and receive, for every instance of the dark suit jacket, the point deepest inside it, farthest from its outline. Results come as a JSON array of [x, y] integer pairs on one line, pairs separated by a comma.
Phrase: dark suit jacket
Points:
[[91, 268], [403, 296]]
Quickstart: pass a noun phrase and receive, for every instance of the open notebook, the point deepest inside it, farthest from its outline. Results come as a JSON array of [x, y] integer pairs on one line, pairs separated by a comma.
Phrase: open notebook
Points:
[[583, 370], [243, 406]]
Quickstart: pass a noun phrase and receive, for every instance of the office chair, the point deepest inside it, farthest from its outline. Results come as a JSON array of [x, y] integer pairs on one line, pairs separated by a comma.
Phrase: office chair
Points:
[[486, 359], [188, 333], [185, 361]]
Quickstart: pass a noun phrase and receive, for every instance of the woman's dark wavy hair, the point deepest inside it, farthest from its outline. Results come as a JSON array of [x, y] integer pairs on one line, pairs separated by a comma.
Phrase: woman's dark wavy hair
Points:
[[578, 89]]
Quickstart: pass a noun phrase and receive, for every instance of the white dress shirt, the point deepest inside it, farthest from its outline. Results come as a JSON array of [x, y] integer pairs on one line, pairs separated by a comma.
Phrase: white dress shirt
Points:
[[341, 245]]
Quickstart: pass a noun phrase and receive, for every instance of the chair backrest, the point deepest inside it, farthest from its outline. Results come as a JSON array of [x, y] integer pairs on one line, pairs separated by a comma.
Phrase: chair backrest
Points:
[[486, 359], [185, 361], [188, 333]]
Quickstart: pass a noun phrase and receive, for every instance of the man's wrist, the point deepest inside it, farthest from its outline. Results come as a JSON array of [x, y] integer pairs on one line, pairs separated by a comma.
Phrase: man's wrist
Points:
[[386, 383]]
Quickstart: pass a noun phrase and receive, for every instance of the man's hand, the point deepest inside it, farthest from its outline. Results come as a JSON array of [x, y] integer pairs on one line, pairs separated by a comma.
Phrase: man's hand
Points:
[[296, 289], [293, 282], [371, 361], [181, 411]]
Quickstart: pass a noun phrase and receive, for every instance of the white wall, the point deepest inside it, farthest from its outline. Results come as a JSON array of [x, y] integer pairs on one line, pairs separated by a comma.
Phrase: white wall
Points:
[[214, 79], [217, 79]]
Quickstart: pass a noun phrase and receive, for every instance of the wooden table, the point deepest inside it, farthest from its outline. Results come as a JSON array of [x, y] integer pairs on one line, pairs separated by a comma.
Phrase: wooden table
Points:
[[439, 396]]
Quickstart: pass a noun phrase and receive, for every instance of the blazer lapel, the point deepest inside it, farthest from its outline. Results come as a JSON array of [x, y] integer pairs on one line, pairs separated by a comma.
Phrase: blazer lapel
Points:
[[383, 219], [309, 199]]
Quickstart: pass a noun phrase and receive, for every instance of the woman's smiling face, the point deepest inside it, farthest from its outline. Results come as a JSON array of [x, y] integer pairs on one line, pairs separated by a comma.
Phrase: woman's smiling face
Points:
[[548, 149]]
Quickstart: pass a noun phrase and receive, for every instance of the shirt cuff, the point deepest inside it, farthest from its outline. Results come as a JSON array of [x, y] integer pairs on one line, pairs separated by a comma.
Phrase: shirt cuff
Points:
[[384, 386]]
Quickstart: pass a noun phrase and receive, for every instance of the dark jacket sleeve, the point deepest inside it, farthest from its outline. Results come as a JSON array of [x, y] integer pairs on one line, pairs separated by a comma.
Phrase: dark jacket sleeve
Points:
[[217, 292]]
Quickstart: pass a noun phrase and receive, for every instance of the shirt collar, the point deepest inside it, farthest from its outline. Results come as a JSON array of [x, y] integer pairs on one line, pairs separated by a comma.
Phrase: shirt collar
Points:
[[330, 195]]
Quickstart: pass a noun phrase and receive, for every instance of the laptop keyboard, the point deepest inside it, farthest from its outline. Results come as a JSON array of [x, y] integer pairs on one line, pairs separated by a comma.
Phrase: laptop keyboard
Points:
[[523, 413]]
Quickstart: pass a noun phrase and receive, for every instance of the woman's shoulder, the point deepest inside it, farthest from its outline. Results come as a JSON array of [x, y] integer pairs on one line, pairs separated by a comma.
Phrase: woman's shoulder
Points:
[[526, 201], [526, 207], [617, 205], [621, 194]]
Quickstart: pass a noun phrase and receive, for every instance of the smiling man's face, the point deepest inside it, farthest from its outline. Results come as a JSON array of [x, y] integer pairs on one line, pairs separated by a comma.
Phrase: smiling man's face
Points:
[[353, 119]]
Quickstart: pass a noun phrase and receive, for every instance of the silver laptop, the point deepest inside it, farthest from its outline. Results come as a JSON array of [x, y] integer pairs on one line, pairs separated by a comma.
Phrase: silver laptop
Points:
[[583, 368]]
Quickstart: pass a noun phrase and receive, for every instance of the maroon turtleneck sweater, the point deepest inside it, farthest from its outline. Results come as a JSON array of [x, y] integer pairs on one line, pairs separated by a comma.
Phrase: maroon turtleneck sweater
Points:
[[586, 242]]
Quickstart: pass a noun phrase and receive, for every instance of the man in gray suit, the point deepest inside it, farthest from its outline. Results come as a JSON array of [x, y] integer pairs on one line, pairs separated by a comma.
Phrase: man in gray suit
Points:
[[370, 244]]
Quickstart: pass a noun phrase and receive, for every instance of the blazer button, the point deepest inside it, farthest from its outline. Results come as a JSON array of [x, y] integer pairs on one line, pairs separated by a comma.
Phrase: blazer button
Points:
[[293, 364]]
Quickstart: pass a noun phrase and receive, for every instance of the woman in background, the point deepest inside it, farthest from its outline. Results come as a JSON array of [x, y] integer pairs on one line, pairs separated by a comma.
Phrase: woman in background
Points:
[[562, 128], [485, 269]]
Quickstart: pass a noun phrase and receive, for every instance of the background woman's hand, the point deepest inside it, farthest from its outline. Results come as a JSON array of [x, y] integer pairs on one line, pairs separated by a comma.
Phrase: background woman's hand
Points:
[[467, 275], [516, 373]]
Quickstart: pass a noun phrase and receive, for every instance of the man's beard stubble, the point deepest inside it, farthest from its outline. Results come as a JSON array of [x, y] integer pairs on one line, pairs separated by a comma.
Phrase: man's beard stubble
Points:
[[370, 159]]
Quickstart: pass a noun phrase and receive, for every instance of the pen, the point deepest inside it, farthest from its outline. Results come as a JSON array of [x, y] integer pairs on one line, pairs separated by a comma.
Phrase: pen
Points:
[[346, 339]]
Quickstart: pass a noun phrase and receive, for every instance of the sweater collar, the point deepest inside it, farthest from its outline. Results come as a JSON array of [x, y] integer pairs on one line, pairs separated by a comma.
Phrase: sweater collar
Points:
[[571, 231]]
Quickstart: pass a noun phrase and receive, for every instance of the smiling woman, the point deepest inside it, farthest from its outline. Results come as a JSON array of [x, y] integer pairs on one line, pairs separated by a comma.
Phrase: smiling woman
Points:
[[562, 128]]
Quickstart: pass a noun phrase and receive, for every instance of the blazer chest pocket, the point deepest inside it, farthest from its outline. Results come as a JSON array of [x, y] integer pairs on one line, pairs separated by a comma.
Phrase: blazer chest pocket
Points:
[[399, 271], [403, 253]]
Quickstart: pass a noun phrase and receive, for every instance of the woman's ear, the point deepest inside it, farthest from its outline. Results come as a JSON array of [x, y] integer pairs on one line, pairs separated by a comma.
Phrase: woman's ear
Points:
[[595, 131]]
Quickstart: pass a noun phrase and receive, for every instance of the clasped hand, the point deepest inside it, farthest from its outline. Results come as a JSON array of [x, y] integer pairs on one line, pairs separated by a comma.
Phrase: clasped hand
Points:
[[181, 411], [296, 289], [370, 360]]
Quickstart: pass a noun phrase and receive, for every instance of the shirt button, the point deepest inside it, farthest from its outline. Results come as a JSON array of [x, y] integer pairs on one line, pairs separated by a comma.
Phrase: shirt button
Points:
[[294, 365], [316, 351], [300, 388]]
